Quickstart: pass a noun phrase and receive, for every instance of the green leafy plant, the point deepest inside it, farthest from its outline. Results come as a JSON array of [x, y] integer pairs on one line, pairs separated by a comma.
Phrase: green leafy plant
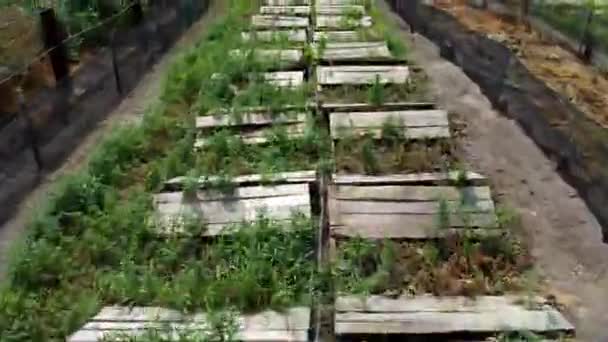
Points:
[[376, 95]]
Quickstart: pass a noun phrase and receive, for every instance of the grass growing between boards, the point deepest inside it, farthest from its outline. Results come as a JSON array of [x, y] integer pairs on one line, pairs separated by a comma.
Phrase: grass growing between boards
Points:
[[457, 265], [363, 153], [414, 90], [228, 155], [91, 244]]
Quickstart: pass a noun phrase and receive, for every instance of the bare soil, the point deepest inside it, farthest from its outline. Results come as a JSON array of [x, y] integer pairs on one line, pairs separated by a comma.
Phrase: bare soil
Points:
[[131, 109], [564, 237], [583, 85]]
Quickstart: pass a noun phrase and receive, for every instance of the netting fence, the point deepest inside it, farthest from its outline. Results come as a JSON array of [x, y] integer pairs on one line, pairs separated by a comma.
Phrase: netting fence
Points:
[[585, 22], [74, 79]]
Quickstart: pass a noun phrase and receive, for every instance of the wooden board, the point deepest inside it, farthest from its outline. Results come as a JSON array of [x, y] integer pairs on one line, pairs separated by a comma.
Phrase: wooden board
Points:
[[285, 10], [323, 3], [221, 210], [445, 315], [248, 119], [339, 9], [290, 79], [357, 75], [279, 21], [292, 56], [341, 22], [291, 325], [408, 212], [424, 178], [286, 2], [415, 124], [338, 36], [356, 51], [409, 206], [293, 177], [297, 36], [367, 107]]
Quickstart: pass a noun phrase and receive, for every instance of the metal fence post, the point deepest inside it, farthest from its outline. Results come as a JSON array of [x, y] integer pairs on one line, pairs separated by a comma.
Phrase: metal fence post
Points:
[[115, 63], [586, 45], [30, 130], [53, 37]]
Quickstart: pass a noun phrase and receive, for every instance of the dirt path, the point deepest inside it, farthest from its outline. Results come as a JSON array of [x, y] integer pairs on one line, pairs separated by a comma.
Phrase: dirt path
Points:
[[130, 109], [565, 237]]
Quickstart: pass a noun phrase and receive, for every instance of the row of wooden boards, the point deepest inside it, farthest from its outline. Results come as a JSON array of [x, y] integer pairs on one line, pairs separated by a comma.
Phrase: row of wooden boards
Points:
[[336, 22], [397, 206], [353, 316], [254, 127], [299, 35]]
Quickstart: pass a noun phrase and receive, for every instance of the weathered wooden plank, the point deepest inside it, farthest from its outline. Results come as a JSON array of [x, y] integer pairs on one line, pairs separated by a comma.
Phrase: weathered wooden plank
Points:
[[324, 3], [409, 118], [352, 51], [245, 192], [339, 9], [275, 178], [408, 226], [298, 36], [409, 193], [291, 325], [337, 36], [285, 10], [375, 207], [337, 22], [435, 315], [291, 79], [424, 178], [387, 106], [176, 335], [279, 21], [414, 133], [347, 74], [429, 303], [425, 124], [415, 124], [286, 2], [249, 119], [235, 211], [281, 55], [220, 210]]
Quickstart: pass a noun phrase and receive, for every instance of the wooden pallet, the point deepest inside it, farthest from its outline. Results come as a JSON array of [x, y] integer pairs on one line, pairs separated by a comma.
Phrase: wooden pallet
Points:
[[252, 126], [368, 207], [290, 326], [378, 315], [286, 2], [337, 22], [338, 36], [287, 79], [356, 51], [221, 211], [339, 9], [359, 75], [279, 21], [296, 36], [285, 10], [415, 124], [293, 177], [324, 3], [283, 56]]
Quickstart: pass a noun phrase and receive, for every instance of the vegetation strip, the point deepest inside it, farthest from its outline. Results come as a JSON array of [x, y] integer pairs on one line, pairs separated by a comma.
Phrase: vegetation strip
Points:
[[96, 249]]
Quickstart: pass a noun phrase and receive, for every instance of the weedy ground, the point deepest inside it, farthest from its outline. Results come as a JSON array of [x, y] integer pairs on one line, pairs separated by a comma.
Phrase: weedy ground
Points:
[[94, 243], [415, 90], [391, 152]]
